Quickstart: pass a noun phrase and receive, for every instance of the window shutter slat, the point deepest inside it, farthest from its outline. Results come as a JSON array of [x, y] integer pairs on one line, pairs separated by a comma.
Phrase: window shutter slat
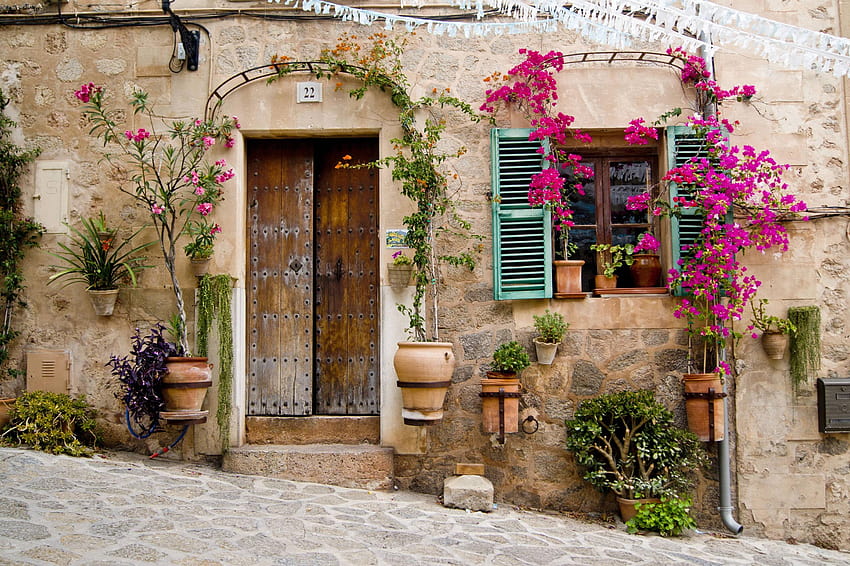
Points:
[[522, 247]]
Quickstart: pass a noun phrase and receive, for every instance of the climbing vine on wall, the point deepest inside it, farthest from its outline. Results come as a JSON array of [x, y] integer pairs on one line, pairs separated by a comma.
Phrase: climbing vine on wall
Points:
[[17, 233]]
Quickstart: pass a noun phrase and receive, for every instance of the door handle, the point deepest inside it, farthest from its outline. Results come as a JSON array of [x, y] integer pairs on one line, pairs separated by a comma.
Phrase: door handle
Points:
[[338, 269]]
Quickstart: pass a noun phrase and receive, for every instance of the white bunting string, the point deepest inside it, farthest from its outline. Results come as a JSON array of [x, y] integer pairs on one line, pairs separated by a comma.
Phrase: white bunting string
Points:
[[617, 23]]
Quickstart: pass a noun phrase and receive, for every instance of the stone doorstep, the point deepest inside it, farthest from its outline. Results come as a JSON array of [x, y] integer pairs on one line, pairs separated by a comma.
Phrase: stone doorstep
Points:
[[313, 430], [358, 466]]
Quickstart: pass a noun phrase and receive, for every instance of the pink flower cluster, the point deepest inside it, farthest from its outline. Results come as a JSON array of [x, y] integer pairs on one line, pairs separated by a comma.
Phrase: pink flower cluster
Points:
[[137, 136], [87, 91], [638, 133]]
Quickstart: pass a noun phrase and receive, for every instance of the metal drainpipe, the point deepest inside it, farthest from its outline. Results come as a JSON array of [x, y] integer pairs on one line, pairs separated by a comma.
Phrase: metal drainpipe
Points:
[[725, 508]]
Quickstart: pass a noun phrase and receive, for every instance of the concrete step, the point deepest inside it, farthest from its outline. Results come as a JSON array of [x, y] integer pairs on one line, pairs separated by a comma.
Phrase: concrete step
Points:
[[363, 466], [313, 430]]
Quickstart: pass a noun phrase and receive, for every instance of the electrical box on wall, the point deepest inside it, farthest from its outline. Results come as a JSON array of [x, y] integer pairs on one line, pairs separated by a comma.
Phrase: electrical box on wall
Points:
[[834, 404], [50, 200], [49, 370]]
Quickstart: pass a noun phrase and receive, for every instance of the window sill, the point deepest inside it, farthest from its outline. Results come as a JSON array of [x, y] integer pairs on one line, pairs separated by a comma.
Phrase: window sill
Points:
[[631, 291]]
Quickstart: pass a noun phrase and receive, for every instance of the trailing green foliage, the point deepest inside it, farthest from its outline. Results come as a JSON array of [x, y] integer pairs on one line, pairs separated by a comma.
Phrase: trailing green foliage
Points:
[[214, 304], [52, 422], [805, 342], [17, 233], [551, 326], [670, 517], [510, 357], [628, 444]]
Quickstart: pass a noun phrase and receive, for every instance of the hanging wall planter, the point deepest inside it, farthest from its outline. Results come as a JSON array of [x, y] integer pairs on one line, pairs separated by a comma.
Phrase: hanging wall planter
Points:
[[103, 302], [774, 344], [200, 266], [704, 405], [400, 276], [424, 371], [545, 351]]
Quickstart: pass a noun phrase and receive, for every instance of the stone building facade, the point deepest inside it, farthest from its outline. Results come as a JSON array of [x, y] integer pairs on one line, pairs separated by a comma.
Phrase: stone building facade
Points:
[[789, 480]]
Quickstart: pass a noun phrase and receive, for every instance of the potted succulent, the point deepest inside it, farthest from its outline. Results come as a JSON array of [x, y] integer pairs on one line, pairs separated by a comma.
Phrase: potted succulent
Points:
[[612, 257], [400, 270], [551, 328], [774, 330], [628, 445], [501, 387], [96, 259]]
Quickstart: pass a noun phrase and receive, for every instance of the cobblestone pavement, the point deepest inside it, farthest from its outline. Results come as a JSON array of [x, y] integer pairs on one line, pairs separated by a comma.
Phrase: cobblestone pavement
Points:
[[119, 508]]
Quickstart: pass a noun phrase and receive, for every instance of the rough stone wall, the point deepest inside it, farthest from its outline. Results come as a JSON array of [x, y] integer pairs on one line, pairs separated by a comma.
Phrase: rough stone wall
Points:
[[609, 347]]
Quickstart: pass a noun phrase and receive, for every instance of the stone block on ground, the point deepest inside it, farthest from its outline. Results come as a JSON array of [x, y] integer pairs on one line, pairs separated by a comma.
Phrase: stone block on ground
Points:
[[468, 492]]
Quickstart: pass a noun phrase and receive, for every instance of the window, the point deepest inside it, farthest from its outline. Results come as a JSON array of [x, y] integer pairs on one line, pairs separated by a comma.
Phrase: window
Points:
[[524, 239], [601, 216]]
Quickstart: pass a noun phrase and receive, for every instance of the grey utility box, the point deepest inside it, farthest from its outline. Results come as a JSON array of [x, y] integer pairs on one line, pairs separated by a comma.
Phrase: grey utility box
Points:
[[834, 404]]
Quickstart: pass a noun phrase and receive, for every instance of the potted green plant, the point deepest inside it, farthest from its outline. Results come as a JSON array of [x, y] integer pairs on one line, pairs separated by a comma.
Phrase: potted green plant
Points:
[[551, 328], [96, 259], [502, 387], [200, 249], [774, 330], [611, 258], [628, 445]]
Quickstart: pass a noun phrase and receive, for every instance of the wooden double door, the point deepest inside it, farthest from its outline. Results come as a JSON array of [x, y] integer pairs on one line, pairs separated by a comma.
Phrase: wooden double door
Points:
[[312, 272]]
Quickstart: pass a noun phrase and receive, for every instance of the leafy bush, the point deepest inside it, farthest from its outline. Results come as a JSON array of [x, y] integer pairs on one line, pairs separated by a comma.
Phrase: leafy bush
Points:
[[628, 444], [510, 357], [670, 517], [52, 422]]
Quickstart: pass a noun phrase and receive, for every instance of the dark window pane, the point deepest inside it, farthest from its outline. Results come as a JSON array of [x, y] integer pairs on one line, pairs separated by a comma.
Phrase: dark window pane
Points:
[[628, 178], [584, 206]]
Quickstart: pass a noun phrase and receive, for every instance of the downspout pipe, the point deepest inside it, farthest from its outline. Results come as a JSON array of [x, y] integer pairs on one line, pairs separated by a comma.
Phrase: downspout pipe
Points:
[[723, 462]]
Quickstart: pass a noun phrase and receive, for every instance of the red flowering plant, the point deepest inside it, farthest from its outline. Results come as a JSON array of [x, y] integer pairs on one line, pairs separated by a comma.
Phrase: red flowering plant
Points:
[[725, 182], [168, 171], [531, 86]]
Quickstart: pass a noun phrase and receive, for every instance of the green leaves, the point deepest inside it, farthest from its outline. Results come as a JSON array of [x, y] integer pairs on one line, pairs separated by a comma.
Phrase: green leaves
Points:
[[670, 517], [52, 422], [628, 443]]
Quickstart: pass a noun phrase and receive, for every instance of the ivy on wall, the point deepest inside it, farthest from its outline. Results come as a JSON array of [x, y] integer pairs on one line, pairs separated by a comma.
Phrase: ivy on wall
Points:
[[214, 306]]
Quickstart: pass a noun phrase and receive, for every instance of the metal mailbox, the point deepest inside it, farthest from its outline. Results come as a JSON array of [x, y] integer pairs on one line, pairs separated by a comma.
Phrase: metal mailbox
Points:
[[834, 404]]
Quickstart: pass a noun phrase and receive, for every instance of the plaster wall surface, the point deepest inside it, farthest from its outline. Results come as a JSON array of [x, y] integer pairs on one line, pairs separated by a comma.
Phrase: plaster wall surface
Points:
[[614, 343]]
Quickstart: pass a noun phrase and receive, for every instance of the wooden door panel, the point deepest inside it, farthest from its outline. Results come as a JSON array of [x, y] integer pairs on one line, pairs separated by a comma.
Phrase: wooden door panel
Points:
[[280, 293], [347, 278]]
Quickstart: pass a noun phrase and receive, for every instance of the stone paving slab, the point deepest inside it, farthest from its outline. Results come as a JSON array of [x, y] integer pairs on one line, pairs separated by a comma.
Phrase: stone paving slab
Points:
[[121, 509]]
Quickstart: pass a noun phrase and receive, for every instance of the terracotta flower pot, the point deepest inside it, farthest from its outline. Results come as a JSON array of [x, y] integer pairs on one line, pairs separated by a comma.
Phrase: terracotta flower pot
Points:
[[645, 270], [185, 385], [424, 371], [774, 344], [603, 282], [568, 276], [704, 405], [627, 506]]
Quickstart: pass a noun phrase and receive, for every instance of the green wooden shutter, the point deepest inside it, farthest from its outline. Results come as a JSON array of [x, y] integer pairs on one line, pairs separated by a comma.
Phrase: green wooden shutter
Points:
[[683, 144], [522, 235]]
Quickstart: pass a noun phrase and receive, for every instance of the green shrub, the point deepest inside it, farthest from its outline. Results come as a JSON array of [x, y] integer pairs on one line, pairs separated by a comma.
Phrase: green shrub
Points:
[[510, 357], [668, 518], [628, 444], [52, 422]]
